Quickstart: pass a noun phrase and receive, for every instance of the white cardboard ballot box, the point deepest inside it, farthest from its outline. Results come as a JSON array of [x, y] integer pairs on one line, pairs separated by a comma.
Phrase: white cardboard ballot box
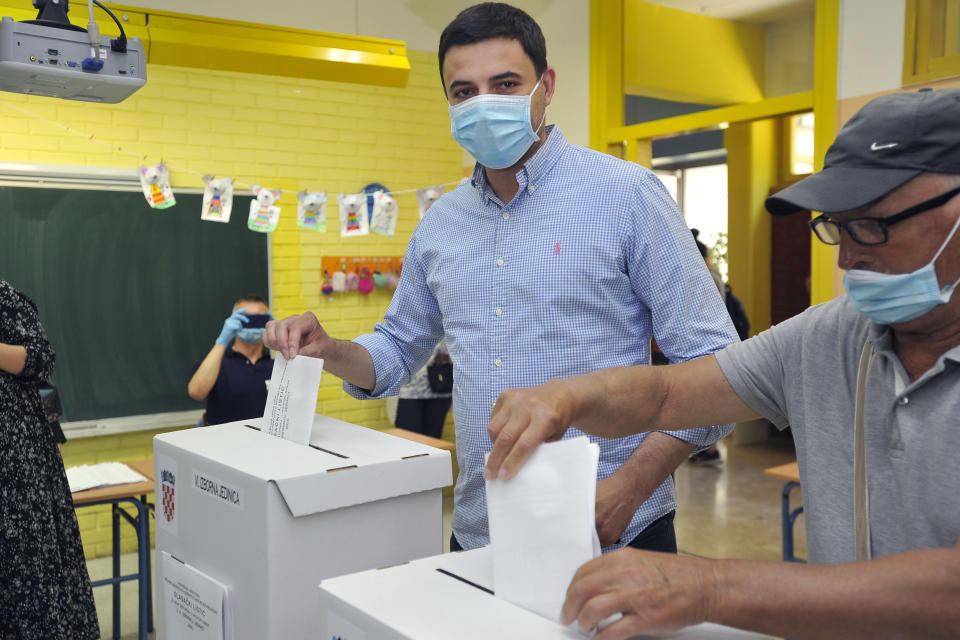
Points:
[[448, 596], [270, 519]]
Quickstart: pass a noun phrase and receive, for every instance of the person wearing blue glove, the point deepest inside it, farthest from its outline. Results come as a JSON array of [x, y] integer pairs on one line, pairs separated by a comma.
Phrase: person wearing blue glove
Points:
[[234, 379]]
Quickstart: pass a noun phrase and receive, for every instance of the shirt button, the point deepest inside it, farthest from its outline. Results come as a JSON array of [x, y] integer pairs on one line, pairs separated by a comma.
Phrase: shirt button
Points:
[[506, 216], [904, 401], [498, 362], [499, 312], [532, 188], [500, 262]]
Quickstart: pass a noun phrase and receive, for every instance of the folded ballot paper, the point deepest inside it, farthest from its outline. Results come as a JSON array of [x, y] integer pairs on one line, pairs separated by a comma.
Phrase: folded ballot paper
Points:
[[542, 525], [292, 398]]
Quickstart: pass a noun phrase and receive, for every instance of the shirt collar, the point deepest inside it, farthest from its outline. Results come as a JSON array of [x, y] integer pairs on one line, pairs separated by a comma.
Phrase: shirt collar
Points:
[[533, 170], [233, 353], [881, 337]]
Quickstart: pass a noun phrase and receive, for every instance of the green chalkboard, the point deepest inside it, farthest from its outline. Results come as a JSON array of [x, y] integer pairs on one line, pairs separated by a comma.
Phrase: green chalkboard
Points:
[[130, 297]]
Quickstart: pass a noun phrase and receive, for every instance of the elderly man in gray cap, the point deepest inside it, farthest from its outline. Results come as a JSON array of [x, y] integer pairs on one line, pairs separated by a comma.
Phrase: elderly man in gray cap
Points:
[[869, 383]]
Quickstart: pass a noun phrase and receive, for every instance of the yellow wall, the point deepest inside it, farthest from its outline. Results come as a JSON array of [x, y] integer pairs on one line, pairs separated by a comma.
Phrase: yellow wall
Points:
[[752, 169], [677, 55], [279, 132]]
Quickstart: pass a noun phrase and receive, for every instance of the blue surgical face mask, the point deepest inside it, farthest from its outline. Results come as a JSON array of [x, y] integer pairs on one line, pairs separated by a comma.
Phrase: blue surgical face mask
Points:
[[250, 336], [495, 129], [888, 298]]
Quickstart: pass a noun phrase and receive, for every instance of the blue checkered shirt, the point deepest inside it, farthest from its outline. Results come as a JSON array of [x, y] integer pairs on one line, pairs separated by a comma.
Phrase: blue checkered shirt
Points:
[[589, 260]]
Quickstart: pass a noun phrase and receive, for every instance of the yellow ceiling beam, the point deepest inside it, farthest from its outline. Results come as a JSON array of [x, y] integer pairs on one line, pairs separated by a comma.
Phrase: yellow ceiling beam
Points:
[[678, 55], [713, 118], [227, 45]]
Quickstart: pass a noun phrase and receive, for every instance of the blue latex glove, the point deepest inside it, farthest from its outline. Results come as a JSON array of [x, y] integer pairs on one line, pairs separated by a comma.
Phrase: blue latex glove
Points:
[[231, 326]]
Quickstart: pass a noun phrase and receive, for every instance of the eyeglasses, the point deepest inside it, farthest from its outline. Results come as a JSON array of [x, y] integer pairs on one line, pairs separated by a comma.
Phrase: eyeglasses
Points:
[[872, 231]]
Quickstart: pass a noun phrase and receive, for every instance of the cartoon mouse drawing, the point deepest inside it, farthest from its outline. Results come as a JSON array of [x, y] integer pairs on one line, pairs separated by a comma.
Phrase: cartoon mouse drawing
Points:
[[351, 211], [155, 181], [217, 199], [264, 216], [312, 210], [384, 220]]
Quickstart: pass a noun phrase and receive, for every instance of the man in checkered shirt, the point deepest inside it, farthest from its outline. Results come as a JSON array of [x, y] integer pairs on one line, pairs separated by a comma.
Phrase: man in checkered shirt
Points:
[[552, 261]]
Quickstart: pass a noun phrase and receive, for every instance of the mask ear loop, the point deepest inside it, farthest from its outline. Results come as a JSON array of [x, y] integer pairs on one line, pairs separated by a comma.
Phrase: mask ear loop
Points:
[[544, 118], [945, 242], [947, 291]]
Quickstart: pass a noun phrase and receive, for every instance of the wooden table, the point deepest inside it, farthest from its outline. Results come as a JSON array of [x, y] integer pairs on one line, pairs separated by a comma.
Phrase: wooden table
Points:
[[134, 493], [791, 473], [430, 441]]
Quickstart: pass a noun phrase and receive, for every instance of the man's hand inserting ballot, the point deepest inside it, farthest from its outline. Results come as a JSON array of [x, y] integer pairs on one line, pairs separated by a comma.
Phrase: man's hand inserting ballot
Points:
[[522, 419], [303, 335], [297, 334]]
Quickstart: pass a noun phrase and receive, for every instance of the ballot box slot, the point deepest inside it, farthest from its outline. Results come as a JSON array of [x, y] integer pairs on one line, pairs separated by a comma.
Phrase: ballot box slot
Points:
[[333, 453], [313, 446], [419, 455], [464, 580], [352, 466]]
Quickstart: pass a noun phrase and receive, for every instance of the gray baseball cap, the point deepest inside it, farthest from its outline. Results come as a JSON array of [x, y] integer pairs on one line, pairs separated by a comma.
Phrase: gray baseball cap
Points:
[[891, 140]]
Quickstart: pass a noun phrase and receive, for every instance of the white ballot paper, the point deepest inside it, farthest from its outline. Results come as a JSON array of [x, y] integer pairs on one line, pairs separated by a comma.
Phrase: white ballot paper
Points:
[[195, 605], [104, 474], [542, 525], [292, 398]]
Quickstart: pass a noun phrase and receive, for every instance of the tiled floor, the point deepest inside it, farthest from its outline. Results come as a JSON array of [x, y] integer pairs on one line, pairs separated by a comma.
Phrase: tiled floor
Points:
[[726, 509]]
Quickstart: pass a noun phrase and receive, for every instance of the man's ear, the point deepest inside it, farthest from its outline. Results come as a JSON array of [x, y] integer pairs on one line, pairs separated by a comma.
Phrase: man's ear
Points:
[[549, 84]]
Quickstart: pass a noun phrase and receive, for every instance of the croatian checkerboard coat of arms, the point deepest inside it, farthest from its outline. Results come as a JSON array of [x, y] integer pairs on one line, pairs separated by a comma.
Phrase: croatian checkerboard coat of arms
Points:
[[169, 503], [167, 490]]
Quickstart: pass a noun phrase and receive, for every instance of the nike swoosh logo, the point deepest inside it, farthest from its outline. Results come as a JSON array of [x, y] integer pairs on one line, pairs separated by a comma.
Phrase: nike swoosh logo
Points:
[[877, 147]]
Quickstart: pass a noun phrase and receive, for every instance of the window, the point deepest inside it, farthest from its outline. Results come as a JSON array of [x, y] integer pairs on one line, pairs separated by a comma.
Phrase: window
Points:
[[705, 208], [701, 193], [931, 40], [801, 144], [671, 180]]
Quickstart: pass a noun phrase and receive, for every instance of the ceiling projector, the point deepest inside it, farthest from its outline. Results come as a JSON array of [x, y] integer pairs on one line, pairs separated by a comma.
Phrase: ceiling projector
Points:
[[51, 57]]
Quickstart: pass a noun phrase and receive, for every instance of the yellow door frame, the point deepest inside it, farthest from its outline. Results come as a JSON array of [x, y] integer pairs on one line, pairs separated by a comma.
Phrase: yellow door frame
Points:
[[633, 143]]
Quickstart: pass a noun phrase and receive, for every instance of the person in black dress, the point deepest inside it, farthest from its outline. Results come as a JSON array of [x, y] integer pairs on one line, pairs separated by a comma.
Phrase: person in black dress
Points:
[[44, 586]]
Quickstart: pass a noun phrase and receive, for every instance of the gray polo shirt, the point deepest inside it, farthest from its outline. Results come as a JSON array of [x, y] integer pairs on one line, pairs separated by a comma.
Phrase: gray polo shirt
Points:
[[803, 373]]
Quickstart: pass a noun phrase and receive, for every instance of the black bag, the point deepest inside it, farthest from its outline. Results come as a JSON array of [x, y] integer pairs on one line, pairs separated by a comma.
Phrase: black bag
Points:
[[52, 409], [51, 401], [440, 377], [737, 314]]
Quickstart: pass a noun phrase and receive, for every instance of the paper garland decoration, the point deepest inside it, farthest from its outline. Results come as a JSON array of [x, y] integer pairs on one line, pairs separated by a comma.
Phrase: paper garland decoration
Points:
[[375, 209], [427, 196], [353, 219], [217, 199], [264, 216], [155, 181], [312, 210], [384, 219]]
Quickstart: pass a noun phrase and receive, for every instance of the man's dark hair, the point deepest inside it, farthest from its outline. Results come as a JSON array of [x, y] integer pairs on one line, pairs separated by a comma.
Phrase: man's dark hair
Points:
[[495, 20], [252, 297]]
